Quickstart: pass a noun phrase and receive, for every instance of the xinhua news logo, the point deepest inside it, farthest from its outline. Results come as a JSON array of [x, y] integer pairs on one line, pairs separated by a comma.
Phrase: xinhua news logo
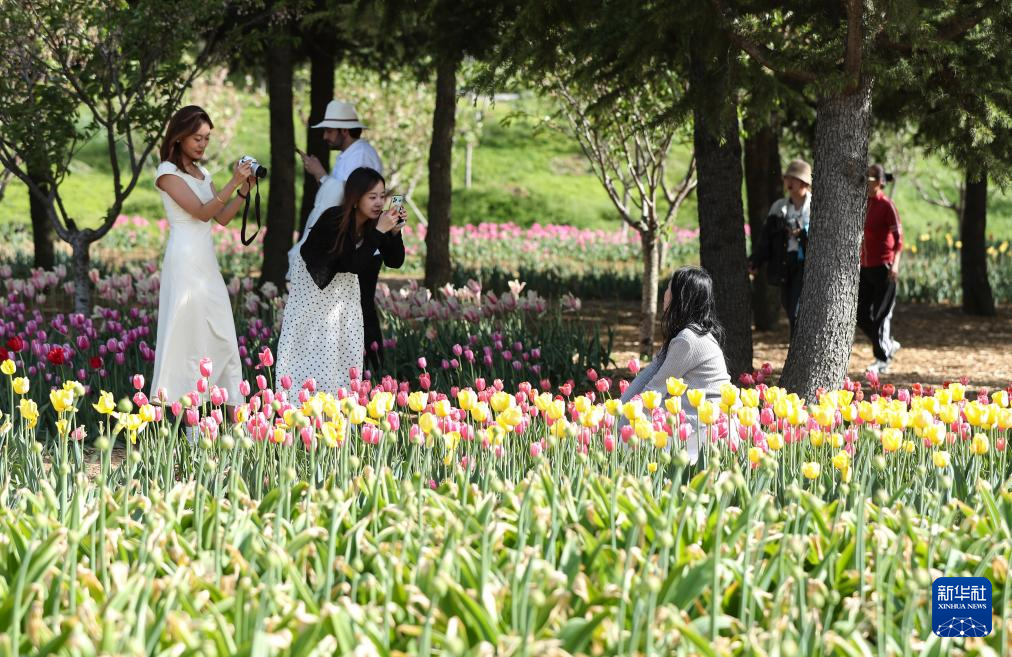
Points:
[[961, 606]]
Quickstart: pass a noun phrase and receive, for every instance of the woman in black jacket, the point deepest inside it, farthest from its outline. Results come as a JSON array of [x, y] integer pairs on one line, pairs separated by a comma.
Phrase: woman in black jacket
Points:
[[783, 241], [331, 311]]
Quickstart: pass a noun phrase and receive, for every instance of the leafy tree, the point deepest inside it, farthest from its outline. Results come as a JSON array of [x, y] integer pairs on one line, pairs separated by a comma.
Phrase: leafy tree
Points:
[[83, 69], [835, 53], [628, 151]]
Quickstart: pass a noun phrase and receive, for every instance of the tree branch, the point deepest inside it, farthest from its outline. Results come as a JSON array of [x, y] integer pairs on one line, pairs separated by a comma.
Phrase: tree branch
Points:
[[760, 53]]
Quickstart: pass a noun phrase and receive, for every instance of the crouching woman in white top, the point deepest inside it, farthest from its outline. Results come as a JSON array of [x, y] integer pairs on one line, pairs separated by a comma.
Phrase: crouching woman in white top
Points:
[[692, 346]]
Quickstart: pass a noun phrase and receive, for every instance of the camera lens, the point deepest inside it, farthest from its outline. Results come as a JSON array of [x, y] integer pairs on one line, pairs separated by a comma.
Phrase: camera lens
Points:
[[260, 171]]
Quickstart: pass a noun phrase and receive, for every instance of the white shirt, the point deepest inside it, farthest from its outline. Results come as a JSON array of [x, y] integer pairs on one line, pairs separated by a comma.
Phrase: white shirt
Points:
[[331, 190]]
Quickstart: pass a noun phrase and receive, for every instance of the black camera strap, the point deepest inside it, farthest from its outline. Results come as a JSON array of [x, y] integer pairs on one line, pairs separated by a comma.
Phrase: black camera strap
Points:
[[246, 241]]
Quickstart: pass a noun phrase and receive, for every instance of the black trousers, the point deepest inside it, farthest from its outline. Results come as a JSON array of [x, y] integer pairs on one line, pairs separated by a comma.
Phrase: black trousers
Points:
[[790, 289], [876, 298]]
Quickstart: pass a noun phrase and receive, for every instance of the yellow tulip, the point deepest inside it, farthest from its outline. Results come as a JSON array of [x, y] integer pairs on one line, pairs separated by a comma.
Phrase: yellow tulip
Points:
[[466, 399], [147, 413], [775, 442], [643, 429], [941, 459], [501, 401], [842, 463], [8, 367], [868, 412], [676, 387], [750, 397], [891, 439], [673, 405], [909, 446], [357, 415], [442, 408], [632, 409], [510, 418], [836, 440], [651, 399], [811, 470], [1005, 418], [651, 467], [333, 434], [922, 419], [944, 397], [747, 416], [558, 429], [62, 400], [949, 413], [849, 412], [417, 401], [480, 412], [696, 396], [106, 403], [660, 439], [496, 434], [614, 407], [755, 455], [708, 413], [556, 410], [591, 418], [817, 437], [330, 407], [427, 422], [782, 407], [824, 416], [958, 391], [542, 401], [278, 435], [935, 433], [29, 411], [20, 385], [980, 444], [728, 394], [582, 404], [797, 415], [314, 406], [62, 428]]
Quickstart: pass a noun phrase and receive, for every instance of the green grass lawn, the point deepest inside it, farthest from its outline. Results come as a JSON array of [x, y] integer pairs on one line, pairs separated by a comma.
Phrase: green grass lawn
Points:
[[519, 174]]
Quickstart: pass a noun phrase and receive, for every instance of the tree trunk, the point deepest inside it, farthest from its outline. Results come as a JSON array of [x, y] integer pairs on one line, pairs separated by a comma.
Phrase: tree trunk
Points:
[[721, 214], [468, 161], [977, 296], [321, 92], [437, 237], [820, 351], [82, 280], [281, 203], [764, 185], [42, 227], [648, 306]]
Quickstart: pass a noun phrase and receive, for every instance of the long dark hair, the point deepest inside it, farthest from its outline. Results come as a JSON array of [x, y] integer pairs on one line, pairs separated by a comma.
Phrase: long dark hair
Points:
[[183, 123], [358, 185], [692, 306]]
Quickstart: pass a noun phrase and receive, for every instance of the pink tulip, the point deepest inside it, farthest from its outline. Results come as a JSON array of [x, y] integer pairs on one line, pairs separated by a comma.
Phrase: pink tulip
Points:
[[140, 399], [307, 437], [303, 395], [535, 449], [633, 365], [244, 388], [217, 416], [216, 397], [286, 382], [192, 417], [626, 432], [353, 373], [205, 367], [309, 385], [261, 382], [138, 381], [422, 363], [609, 444], [177, 408], [424, 382], [266, 357], [202, 386]]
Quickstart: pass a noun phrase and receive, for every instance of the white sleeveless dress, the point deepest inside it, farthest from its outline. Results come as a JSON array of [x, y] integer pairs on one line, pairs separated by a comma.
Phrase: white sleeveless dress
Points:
[[321, 333], [194, 311]]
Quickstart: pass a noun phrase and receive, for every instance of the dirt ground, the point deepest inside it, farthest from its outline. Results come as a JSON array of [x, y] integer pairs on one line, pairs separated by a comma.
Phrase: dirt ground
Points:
[[939, 343]]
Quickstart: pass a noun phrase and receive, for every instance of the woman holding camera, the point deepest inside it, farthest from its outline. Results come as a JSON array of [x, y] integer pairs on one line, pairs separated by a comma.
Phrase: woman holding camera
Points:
[[323, 331], [194, 311]]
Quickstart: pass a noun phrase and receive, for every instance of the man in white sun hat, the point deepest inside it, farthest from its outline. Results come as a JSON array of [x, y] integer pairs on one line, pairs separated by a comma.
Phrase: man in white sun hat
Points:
[[342, 131]]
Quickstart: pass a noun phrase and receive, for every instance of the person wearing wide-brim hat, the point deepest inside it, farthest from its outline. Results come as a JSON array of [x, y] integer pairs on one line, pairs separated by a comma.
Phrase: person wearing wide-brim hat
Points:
[[784, 239], [342, 131]]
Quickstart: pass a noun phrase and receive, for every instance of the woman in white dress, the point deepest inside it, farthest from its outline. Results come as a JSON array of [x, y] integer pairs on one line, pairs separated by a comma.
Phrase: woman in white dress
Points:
[[194, 311], [322, 334]]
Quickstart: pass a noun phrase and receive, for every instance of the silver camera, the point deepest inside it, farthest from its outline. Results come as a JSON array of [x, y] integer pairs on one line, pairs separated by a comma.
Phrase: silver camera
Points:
[[258, 170]]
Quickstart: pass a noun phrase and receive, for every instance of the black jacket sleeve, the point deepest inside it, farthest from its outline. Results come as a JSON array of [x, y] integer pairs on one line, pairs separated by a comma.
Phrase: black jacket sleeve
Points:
[[392, 249]]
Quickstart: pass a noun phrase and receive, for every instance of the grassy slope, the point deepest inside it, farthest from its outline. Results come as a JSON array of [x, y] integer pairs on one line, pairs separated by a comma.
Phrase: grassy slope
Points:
[[519, 174]]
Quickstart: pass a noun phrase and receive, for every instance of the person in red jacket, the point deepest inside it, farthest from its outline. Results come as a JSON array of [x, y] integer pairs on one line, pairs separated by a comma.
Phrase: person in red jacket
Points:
[[880, 266]]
